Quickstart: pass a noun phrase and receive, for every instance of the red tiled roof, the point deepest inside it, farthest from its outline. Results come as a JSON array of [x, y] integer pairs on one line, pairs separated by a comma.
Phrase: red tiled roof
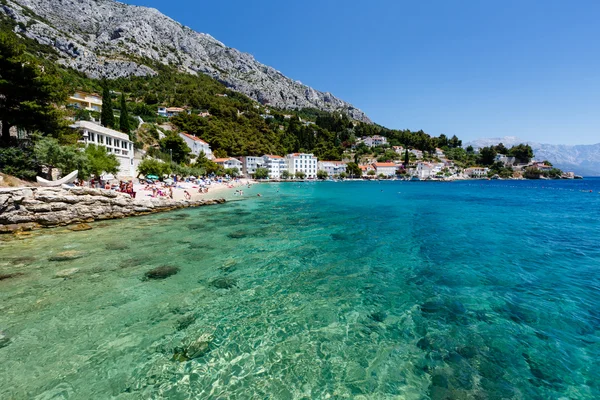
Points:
[[272, 156], [384, 164], [192, 137]]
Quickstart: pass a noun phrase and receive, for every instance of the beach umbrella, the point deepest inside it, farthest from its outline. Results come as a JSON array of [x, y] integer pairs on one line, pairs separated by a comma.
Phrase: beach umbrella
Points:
[[168, 181], [151, 176]]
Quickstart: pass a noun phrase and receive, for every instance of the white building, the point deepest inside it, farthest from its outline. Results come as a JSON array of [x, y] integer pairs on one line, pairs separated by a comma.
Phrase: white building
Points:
[[417, 153], [504, 159], [275, 165], [196, 145], [375, 140], [332, 167], [116, 143], [385, 169], [250, 164], [477, 172], [228, 163], [439, 153], [398, 149], [302, 162], [424, 170]]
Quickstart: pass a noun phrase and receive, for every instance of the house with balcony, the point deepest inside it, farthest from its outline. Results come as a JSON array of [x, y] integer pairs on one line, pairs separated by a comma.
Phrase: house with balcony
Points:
[[385, 168], [275, 165], [250, 164], [170, 111], [85, 101], [418, 153], [197, 145], [332, 167], [229, 163], [477, 172], [375, 140], [116, 143], [302, 162]]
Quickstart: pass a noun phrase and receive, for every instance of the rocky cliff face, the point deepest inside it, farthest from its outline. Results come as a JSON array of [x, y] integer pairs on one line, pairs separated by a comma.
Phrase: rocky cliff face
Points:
[[104, 38]]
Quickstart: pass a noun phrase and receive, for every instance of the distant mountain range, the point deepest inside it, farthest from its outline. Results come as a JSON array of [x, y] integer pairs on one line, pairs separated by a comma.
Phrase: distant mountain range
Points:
[[583, 159], [105, 38]]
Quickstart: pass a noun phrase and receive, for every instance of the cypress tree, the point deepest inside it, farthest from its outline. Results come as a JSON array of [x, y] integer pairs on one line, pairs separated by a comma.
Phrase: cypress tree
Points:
[[124, 119], [107, 118], [406, 159]]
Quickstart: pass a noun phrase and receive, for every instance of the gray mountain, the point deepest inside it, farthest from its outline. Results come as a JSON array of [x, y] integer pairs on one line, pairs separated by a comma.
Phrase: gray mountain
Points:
[[581, 159], [105, 38]]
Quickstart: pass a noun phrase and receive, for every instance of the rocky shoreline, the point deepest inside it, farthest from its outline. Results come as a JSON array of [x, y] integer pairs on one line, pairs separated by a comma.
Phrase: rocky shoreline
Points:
[[25, 209]]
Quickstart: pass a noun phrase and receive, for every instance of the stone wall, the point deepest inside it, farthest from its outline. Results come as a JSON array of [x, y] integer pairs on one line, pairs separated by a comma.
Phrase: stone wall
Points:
[[33, 208]]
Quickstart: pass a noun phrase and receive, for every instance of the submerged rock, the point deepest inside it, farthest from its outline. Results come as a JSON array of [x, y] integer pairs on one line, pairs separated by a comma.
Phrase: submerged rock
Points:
[[116, 246], [224, 283], [79, 227], [185, 321], [65, 273], [66, 256], [238, 235], [378, 316], [162, 272], [4, 340], [8, 276], [199, 347]]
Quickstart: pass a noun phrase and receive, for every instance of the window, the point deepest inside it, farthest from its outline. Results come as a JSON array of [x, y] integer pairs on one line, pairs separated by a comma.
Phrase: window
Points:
[[100, 139]]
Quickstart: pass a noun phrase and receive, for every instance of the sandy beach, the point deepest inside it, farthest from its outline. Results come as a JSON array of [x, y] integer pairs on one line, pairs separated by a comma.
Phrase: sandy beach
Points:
[[214, 189]]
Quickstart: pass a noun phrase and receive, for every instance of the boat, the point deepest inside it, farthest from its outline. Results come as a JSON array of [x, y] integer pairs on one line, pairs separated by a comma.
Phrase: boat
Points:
[[62, 181]]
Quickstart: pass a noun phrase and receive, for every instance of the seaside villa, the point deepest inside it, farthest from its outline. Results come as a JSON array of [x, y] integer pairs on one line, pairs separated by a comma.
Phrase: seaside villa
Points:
[[116, 143], [385, 169], [228, 163], [197, 145], [275, 165], [250, 164], [302, 162], [86, 101], [332, 167], [476, 172]]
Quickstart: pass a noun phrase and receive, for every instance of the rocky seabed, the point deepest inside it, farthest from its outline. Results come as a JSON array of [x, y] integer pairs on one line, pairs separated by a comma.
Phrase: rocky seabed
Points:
[[32, 208]]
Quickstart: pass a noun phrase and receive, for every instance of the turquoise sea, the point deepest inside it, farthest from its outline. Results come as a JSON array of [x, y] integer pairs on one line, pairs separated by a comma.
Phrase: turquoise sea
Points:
[[363, 290]]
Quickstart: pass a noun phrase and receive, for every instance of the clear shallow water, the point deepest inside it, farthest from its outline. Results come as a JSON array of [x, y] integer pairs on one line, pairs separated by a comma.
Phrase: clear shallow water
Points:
[[486, 290]]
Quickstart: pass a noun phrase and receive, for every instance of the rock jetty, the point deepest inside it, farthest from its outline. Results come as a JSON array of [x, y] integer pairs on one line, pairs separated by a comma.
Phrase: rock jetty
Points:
[[25, 209]]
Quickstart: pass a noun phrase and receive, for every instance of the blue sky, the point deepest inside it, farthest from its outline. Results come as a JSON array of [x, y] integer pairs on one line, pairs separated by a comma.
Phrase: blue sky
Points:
[[472, 68]]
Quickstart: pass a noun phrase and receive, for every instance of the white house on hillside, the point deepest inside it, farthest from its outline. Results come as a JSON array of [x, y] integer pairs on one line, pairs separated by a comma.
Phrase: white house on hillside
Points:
[[477, 172], [375, 140], [116, 143], [302, 162], [86, 101], [196, 145]]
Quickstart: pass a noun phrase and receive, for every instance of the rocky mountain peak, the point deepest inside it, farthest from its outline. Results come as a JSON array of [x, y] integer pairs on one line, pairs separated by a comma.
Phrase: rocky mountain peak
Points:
[[105, 38]]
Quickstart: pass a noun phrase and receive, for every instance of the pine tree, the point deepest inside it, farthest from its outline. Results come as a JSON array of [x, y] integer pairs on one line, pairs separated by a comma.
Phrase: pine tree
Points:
[[28, 91], [124, 119], [107, 117]]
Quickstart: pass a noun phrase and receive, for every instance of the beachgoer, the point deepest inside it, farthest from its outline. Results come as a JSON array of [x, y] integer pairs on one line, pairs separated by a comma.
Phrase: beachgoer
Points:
[[187, 195]]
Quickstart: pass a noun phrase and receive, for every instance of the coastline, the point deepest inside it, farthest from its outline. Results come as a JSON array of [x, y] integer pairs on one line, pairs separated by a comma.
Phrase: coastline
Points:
[[31, 208]]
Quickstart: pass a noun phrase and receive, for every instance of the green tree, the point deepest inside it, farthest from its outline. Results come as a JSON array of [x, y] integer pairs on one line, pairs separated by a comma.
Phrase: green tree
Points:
[[487, 155], [233, 172], [220, 153], [28, 91], [176, 147], [371, 173], [522, 152], [100, 161], [261, 173], [107, 118], [343, 175], [300, 174], [67, 159], [406, 159], [532, 173], [353, 170], [124, 117], [322, 174], [150, 166], [285, 174]]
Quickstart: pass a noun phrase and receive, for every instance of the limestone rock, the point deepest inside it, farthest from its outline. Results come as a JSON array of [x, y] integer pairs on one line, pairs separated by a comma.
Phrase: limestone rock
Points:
[[66, 256], [66, 273], [96, 37], [80, 227]]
